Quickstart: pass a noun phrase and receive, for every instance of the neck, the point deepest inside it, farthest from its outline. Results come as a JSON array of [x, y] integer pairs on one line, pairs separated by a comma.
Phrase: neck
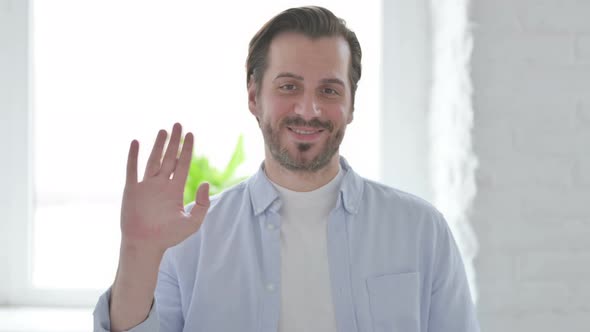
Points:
[[301, 181]]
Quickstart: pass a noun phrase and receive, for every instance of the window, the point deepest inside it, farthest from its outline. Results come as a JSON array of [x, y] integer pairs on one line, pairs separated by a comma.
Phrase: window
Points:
[[103, 73]]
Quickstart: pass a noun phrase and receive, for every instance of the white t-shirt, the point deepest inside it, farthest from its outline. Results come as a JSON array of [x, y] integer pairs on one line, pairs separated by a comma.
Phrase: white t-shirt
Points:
[[306, 297]]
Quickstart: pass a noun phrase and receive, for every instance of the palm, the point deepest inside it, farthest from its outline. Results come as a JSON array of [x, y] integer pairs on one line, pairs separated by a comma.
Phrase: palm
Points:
[[152, 211]]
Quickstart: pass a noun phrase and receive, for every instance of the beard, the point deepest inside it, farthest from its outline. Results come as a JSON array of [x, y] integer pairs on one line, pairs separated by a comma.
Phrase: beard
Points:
[[299, 161]]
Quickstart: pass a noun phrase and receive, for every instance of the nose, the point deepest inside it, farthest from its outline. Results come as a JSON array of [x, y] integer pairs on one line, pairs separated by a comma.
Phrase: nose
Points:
[[307, 106]]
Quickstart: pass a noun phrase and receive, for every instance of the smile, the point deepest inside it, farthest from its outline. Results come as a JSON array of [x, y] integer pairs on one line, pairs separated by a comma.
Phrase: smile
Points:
[[306, 134], [304, 131]]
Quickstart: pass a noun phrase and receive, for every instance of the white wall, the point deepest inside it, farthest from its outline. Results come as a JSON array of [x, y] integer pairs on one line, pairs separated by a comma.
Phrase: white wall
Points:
[[531, 76]]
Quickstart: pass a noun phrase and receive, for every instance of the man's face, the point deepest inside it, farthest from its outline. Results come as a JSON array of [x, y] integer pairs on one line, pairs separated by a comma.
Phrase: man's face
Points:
[[304, 103]]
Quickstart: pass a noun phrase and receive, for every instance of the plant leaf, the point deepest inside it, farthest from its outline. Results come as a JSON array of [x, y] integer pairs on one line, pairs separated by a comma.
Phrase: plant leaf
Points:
[[200, 171], [237, 158]]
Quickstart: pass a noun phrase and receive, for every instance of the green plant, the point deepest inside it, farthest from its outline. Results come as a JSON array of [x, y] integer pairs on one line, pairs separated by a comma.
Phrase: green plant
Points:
[[201, 171]]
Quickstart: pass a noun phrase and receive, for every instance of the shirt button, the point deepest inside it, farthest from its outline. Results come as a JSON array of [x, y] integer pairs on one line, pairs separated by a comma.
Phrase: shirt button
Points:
[[270, 287], [270, 227]]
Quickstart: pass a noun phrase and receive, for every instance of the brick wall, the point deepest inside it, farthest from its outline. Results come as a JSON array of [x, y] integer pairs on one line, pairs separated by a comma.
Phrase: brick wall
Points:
[[531, 78]]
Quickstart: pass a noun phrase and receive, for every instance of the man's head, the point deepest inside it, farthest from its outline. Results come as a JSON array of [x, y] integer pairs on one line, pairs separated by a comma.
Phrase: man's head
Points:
[[313, 22], [303, 68]]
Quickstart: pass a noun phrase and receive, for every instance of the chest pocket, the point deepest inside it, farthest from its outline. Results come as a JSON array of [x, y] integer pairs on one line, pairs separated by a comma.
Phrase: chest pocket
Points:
[[395, 302]]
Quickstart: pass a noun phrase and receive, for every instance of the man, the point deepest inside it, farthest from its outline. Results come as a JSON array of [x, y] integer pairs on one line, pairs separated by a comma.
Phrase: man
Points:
[[305, 244]]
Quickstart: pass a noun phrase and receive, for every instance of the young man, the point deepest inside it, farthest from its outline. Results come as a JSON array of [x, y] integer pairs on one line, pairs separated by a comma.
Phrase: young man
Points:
[[305, 244]]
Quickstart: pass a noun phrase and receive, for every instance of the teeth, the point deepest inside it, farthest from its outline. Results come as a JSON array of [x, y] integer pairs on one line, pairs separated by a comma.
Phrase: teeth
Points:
[[304, 132]]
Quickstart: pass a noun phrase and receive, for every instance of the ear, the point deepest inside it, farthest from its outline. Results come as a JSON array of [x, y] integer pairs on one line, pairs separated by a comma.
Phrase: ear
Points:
[[350, 116], [252, 97]]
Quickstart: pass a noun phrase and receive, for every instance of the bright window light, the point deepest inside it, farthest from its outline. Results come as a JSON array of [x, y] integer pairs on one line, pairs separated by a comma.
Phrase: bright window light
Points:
[[106, 72]]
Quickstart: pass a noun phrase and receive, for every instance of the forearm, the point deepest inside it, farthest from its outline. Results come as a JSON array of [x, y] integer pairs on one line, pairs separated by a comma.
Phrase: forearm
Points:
[[133, 290]]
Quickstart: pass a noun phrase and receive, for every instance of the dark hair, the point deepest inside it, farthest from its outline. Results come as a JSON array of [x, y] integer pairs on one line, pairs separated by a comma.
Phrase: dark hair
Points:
[[313, 22]]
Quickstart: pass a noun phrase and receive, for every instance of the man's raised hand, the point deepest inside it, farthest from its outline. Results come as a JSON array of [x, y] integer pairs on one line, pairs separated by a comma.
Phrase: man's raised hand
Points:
[[152, 211]]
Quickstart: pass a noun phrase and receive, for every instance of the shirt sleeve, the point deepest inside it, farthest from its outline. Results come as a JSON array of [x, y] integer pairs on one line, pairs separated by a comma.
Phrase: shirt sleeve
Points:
[[102, 319], [451, 306], [168, 296]]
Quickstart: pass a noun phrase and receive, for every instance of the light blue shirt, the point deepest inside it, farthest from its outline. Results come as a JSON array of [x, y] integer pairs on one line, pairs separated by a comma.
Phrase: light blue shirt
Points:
[[393, 264]]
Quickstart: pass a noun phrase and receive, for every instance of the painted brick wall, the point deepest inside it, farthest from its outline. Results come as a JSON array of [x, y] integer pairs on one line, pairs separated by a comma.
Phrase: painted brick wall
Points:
[[531, 77]]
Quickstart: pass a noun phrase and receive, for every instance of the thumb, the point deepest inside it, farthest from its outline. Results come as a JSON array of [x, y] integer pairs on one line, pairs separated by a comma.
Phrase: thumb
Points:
[[202, 198], [201, 202]]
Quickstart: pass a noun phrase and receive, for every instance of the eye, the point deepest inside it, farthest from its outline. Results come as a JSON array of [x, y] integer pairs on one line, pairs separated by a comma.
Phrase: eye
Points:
[[330, 91], [288, 87]]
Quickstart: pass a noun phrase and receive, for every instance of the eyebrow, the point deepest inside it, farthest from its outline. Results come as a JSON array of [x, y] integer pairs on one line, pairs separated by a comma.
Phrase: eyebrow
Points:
[[300, 78], [291, 75], [332, 81]]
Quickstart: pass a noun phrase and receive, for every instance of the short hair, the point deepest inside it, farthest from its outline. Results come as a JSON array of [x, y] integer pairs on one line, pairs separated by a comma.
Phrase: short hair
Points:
[[313, 22]]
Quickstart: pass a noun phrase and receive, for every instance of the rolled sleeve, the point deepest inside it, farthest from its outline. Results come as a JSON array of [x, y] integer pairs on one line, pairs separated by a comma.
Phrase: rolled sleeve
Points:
[[102, 319]]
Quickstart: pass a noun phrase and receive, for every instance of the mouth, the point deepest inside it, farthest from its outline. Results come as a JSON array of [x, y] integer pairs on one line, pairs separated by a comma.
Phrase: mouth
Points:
[[302, 131], [305, 134]]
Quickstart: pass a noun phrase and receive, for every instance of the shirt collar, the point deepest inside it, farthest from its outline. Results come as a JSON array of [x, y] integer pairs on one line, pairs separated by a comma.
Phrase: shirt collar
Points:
[[264, 195], [351, 188]]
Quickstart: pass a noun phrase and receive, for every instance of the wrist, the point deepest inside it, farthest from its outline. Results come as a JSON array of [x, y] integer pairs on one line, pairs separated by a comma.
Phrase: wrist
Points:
[[137, 261], [140, 250]]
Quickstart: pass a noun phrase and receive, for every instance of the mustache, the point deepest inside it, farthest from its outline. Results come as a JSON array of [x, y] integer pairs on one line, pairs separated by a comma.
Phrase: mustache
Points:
[[313, 123]]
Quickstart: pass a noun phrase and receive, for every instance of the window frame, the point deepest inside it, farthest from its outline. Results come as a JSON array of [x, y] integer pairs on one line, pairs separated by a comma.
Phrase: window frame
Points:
[[16, 130], [15, 202]]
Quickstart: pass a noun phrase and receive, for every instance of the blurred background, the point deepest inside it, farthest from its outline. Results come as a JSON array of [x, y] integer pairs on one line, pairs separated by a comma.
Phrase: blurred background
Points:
[[481, 107]]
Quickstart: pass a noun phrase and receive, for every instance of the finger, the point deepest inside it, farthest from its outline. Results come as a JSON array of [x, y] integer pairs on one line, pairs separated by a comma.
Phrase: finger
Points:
[[153, 163], [184, 162], [169, 161], [202, 198], [132, 163], [200, 208], [201, 202]]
